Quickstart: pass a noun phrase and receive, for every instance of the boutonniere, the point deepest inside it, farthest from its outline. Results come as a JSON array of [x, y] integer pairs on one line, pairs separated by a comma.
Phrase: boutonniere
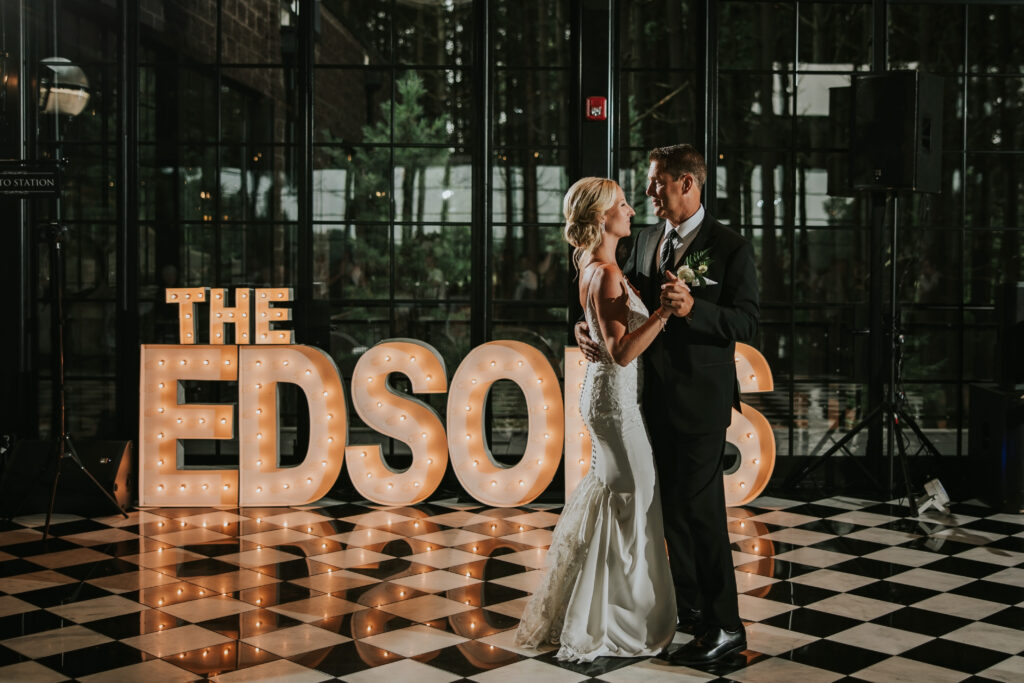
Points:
[[694, 269]]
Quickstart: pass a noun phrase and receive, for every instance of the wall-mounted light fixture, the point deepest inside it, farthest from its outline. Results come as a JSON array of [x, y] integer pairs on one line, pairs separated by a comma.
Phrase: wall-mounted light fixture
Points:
[[63, 87]]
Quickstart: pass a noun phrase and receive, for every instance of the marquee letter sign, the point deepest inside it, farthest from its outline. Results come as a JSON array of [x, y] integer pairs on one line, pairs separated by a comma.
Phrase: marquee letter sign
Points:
[[481, 477], [402, 417], [262, 368], [264, 356], [750, 432], [164, 421]]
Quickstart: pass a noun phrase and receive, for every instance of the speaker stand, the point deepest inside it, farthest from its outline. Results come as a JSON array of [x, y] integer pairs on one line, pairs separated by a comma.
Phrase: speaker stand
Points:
[[64, 449], [892, 408]]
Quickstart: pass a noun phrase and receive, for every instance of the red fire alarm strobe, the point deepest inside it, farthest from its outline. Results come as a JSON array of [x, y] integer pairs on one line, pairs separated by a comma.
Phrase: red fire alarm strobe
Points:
[[597, 108]]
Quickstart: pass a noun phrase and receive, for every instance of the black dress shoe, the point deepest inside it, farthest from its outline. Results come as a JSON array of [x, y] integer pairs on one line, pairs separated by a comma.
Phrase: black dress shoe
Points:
[[690, 621], [713, 645]]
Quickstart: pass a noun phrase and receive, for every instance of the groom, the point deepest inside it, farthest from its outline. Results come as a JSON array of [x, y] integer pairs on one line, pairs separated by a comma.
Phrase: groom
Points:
[[690, 388]]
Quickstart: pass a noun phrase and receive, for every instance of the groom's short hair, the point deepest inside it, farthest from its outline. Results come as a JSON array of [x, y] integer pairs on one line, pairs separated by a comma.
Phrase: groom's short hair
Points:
[[680, 159]]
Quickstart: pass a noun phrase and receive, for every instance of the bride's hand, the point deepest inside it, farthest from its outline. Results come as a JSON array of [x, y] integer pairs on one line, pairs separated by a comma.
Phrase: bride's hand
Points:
[[675, 294], [590, 350]]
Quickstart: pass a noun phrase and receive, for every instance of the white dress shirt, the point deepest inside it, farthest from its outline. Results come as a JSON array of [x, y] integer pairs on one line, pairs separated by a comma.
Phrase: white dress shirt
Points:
[[686, 232]]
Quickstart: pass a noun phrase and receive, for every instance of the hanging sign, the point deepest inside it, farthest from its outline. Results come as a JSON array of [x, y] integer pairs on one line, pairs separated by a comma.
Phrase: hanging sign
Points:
[[29, 178]]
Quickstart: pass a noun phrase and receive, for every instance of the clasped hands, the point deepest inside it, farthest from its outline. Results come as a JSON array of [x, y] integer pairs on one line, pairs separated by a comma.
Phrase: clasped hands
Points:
[[675, 295]]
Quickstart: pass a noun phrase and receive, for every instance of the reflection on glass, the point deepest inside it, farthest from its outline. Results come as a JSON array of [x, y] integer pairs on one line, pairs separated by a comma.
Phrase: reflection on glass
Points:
[[443, 326], [529, 110], [752, 188], [993, 45], [658, 108], [759, 35], [651, 30], [432, 262], [433, 33], [834, 36], [350, 103], [528, 186], [351, 184], [823, 412], [531, 33], [756, 110], [88, 191], [353, 331], [530, 264], [357, 32], [183, 101], [816, 129], [994, 107], [254, 105], [995, 194], [432, 107], [926, 36], [991, 257]]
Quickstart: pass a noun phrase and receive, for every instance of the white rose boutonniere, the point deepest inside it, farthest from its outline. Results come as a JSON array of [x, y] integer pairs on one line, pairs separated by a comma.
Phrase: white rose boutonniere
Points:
[[694, 269]]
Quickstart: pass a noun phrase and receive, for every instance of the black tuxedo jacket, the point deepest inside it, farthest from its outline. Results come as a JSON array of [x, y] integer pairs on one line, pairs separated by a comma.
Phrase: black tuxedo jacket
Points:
[[690, 368]]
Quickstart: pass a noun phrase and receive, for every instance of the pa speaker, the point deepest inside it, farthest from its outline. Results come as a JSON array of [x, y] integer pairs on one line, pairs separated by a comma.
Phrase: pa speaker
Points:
[[996, 446], [1010, 308], [840, 120], [896, 138], [28, 476]]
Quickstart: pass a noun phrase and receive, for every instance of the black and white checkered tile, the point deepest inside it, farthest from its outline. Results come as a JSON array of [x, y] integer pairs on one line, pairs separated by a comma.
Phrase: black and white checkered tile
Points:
[[835, 590]]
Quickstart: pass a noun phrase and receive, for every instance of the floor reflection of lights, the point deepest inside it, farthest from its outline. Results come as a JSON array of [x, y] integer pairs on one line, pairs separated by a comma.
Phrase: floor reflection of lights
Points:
[[827, 589]]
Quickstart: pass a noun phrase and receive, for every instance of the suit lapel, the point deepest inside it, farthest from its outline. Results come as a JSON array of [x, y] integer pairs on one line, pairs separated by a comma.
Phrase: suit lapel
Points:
[[649, 249], [700, 241]]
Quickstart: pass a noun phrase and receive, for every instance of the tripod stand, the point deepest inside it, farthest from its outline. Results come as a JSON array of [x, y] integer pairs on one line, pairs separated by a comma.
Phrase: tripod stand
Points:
[[892, 409], [64, 448]]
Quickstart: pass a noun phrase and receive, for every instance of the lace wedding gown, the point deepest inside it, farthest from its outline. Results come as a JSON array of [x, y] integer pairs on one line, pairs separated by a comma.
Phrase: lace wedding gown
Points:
[[607, 590]]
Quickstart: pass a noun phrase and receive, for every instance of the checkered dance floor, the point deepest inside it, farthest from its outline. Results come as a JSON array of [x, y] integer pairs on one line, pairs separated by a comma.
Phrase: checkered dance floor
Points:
[[835, 590]]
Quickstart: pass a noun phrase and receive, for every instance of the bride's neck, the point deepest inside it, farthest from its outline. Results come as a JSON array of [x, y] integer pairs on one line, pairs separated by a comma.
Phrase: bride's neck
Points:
[[605, 252]]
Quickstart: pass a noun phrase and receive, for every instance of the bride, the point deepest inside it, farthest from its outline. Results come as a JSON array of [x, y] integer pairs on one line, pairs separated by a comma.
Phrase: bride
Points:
[[607, 590]]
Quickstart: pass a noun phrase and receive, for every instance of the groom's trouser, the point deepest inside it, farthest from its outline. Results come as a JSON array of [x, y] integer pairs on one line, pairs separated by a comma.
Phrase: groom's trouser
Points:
[[693, 504]]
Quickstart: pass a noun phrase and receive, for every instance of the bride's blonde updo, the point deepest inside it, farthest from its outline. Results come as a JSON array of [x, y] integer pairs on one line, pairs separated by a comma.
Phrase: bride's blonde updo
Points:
[[584, 205]]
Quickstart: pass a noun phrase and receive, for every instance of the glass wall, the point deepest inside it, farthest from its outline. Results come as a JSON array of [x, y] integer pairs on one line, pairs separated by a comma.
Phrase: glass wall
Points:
[[392, 192], [769, 76], [86, 209], [331, 147]]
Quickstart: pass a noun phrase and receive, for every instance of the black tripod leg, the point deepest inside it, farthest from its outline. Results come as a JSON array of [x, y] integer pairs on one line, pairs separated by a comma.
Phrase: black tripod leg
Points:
[[925, 441], [838, 445], [825, 437], [901, 448], [59, 462], [73, 454]]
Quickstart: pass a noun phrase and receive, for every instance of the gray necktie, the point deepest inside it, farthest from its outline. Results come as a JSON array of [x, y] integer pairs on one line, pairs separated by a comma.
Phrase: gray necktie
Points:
[[668, 253]]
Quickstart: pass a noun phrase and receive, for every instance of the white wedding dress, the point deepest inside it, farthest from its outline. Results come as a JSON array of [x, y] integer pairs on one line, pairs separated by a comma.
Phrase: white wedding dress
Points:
[[607, 590]]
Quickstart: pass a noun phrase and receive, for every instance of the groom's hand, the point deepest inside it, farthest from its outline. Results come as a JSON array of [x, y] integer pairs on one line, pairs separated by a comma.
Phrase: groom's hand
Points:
[[588, 348], [676, 295]]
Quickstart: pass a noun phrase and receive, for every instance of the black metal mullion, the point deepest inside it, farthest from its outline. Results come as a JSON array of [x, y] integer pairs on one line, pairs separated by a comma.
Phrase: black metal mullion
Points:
[[304, 156], [392, 266], [218, 444], [877, 209], [708, 114], [593, 61], [591, 142], [481, 231], [790, 154], [126, 390], [962, 233], [218, 135]]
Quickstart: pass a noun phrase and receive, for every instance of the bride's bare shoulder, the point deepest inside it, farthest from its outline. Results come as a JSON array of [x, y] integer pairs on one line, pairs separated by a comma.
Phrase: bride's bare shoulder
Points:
[[606, 279]]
